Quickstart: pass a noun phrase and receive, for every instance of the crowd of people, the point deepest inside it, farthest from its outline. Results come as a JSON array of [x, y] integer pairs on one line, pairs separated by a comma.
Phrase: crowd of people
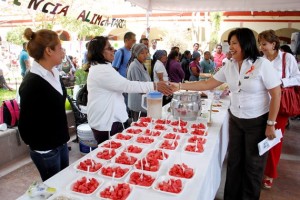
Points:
[[117, 79]]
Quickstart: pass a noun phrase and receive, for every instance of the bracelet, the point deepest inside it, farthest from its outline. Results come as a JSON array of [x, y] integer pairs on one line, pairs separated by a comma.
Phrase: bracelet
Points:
[[179, 85]]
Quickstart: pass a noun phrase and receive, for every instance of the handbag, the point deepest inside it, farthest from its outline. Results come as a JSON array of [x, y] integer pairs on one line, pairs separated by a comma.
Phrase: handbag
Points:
[[290, 96]]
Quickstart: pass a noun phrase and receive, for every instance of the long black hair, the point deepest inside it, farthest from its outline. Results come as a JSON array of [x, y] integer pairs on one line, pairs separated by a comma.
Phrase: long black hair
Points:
[[247, 42], [95, 51]]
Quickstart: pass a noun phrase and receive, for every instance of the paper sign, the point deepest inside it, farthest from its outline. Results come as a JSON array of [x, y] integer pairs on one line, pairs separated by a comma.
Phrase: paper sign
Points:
[[267, 144]]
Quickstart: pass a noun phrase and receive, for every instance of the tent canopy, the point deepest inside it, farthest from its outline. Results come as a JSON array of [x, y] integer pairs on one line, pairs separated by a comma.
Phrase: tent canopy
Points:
[[218, 5]]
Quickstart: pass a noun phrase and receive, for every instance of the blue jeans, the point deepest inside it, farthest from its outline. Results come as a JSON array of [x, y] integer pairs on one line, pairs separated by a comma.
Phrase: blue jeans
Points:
[[52, 162]]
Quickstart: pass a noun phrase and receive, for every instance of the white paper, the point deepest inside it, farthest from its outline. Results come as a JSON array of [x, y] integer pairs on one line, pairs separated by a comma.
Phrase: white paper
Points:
[[267, 144]]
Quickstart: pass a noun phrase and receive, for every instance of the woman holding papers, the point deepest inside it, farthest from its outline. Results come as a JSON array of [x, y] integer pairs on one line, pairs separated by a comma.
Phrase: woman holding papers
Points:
[[269, 44], [255, 98]]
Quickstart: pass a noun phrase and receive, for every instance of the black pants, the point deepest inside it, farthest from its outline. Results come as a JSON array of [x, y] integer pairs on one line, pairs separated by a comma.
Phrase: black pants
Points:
[[101, 136], [245, 167]]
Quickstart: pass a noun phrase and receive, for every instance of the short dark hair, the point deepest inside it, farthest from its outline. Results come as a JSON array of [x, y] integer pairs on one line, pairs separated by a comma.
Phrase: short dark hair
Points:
[[247, 42], [128, 35], [196, 44], [144, 39]]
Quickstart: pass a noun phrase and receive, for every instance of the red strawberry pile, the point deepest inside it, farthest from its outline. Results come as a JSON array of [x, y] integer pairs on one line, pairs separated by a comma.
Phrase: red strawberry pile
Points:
[[140, 124], [171, 136], [162, 121], [120, 192], [194, 138], [151, 164], [192, 148], [171, 185], [85, 186], [89, 163], [137, 179], [112, 144], [134, 149], [160, 127], [119, 171], [169, 144], [134, 131], [125, 159], [176, 123], [180, 130], [199, 126], [198, 132], [106, 154], [152, 133], [145, 119], [157, 154], [120, 136], [182, 171], [145, 140]]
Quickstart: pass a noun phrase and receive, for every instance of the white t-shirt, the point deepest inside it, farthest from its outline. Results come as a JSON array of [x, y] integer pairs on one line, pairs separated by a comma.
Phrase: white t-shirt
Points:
[[159, 68], [105, 100], [249, 88]]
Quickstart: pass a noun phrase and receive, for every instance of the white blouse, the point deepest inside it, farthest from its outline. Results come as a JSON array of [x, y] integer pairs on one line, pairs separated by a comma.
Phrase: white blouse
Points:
[[159, 67], [249, 87]]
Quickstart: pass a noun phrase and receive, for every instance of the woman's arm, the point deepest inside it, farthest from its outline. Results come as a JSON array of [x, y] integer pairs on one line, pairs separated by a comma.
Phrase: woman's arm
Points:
[[194, 70], [198, 85], [275, 94], [160, 76]]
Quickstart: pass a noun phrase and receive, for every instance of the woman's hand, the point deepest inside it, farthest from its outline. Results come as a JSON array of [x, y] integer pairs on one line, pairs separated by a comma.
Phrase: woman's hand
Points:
[[164, 87], [270, 132], [175, 86]]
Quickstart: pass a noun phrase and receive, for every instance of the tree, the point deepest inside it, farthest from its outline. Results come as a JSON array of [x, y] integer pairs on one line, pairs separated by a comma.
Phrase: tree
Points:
[[15, 35], [216, 18]]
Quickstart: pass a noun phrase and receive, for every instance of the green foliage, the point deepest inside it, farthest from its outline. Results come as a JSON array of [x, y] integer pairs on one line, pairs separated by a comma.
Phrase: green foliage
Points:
[[80, 77], [216, 18], [15, 35], [6, 94]]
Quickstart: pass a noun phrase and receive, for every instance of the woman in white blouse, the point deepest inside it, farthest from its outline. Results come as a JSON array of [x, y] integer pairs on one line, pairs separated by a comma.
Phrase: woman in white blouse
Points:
[[106, 109], [255, 98], [159, 70], [269, 44]]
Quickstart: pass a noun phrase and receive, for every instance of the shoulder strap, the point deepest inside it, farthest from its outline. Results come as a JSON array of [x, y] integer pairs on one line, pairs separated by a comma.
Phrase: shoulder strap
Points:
[[16, 109], [283, 65], [1, 114], [12, 112]]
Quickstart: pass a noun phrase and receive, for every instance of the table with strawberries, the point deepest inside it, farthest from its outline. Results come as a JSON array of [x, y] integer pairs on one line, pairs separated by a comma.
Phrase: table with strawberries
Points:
[[153, 159]]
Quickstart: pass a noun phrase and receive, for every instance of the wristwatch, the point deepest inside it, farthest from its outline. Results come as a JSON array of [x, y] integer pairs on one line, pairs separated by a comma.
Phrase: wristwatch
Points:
[[271, 123]]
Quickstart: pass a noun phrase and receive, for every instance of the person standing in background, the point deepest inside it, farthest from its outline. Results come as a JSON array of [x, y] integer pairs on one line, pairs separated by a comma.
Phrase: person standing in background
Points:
[[227, 59], [24, 60], [46, 134], [185, 64], [207, 65], [123, 54], [147, 63], [174, 70], [219, 56], [269, 44]]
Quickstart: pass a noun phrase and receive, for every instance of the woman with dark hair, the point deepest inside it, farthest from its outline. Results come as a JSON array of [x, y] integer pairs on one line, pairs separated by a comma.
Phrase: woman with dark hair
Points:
[[185, 64], [43, 123], [269, 44], [175, 72], [286, 48], [106, 108], [255, 98]]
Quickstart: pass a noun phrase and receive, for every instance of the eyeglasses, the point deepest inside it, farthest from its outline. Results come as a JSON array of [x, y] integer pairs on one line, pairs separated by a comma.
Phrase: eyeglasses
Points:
[[110, 48]]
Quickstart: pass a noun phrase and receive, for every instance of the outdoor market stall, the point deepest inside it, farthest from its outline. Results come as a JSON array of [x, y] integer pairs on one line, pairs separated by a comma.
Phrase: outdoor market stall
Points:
[[206, 162]]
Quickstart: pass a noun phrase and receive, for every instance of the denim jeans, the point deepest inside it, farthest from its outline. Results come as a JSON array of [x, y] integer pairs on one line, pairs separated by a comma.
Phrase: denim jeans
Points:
[[52, 162]]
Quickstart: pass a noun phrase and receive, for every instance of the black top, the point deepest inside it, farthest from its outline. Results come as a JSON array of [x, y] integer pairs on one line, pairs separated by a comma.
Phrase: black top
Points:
[[43, 122]]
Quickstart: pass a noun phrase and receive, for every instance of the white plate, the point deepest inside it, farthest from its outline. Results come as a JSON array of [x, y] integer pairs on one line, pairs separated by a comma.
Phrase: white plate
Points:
[[113, 165], [181, 164], [152, 174], [98, 150], [70, 186], [193, 146], [102, 162], [166, 178], [132, 156], [113, 143], [159, 165], [65, 195], [158, 145], [108, 184]]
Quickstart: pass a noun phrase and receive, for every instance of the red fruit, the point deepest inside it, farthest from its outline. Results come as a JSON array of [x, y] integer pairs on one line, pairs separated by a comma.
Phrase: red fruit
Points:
[[93, 165], [112, 144], [176, 123], [134, 149], [182, 171], [106, 154], [181, 130], [171, 136], [140, 124], [125, 159], [151, 164], [194, 138], [199, 126], [169, 144], [192, 148], [145, 119], [119, 171], [85, 186], [162, 121], [120, 136], [136, 179], [152, 132], [134, 131], [120, 192], [171, 185], [160, 127], [144, 140], [198, 132], [157, 154]]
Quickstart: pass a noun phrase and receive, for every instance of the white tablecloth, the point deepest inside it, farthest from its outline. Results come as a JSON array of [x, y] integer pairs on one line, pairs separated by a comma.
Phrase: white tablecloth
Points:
[[203, 186]]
